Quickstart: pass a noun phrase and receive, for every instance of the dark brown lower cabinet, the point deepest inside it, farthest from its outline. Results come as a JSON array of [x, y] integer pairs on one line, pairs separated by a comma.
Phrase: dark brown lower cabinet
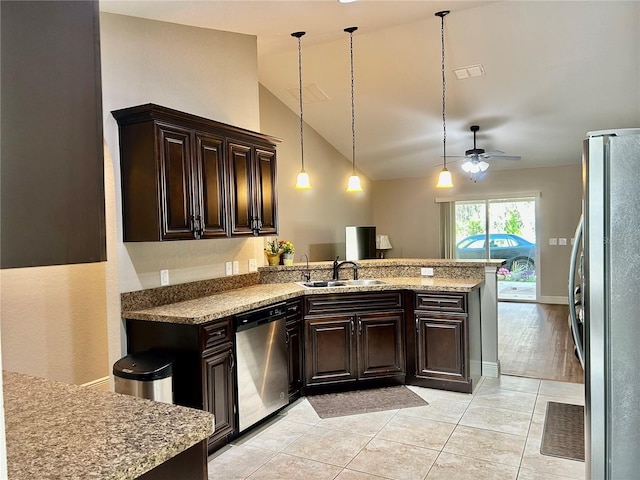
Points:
[[219, 393], [444, 349], [295, 347], [352, 337]]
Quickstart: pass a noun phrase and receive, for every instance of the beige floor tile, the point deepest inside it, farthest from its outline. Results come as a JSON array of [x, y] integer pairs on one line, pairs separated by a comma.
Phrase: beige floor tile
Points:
[[533, 460], [347, 474], [486, 445], [497, 419], [530, 475], [510, 399], [430, 394], [508, 382], [542, 400], [537, 426], [438, 409], [561, 389], [393, 460], [238, 462], [420, 432], [328, 446], [456, 467], [302, 412], [278, 435], [287, 467], [364, 424]]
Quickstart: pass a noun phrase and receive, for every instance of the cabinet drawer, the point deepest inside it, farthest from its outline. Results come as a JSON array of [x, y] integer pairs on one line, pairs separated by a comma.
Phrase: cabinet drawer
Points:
[[449, 302], [294, 310], [353, 302], [216, 333]]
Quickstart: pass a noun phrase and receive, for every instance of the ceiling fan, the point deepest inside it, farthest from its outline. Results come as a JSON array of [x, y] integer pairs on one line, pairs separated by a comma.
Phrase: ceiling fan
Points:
[[474, 159]]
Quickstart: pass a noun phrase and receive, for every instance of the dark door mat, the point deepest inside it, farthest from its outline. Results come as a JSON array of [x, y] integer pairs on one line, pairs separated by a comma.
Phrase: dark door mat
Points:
[[364, 401], [563, 434]]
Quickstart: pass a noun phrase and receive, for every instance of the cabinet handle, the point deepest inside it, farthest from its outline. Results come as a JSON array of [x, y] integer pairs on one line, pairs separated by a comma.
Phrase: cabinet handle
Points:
[[359, 325], [193, 228], [286, 336], [417, 324], [352, 326], [199, 226], [233, 362]]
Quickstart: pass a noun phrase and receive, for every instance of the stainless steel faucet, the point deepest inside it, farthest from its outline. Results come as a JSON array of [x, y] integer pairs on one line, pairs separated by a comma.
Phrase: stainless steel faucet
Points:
[[337, 266], [306, 275]]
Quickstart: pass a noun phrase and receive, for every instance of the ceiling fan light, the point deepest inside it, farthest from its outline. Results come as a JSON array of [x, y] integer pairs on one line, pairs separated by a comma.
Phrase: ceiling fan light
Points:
[[303, 182], [444, 180], [354, 184], [471, 167], [483, 166]]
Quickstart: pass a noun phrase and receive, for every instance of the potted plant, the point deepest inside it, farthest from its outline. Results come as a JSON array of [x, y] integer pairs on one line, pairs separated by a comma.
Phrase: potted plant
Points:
[[288, 249], [273, 252]]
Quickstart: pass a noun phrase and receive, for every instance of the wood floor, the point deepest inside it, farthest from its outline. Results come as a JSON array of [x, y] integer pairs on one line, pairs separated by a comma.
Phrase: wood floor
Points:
[[534, 340]]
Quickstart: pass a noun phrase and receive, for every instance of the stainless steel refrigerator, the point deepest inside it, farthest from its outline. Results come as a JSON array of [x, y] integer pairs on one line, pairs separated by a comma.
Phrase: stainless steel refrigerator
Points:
[[606, 255]]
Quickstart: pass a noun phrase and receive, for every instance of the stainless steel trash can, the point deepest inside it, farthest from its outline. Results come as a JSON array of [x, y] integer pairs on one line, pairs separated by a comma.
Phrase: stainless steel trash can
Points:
[[145, 375]]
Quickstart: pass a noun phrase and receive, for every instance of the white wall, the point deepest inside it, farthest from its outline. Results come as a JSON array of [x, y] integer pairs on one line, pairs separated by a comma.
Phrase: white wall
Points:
[[314, 220], [416, 232]]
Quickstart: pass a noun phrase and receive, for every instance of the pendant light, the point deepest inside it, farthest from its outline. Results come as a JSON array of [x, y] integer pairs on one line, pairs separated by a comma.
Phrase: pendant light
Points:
[[302, 182], [444, 180], [354, 180]]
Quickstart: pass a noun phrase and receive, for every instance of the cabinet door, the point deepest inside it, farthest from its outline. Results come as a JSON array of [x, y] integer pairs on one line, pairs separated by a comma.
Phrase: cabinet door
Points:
[[440, 346], [330, 352], [266, 192], [241, 189], [212, 216], [219, 396], [176, 183], [380, 344], [295, 351]]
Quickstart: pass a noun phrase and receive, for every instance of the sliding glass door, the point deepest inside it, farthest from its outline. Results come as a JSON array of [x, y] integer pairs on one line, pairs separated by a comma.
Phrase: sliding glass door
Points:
[[501, 229]]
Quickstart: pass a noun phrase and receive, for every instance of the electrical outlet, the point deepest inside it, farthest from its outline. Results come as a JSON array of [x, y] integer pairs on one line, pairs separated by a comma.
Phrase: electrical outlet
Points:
[[426, 271], [236, 267], [228, 268], [562, 241], [553, 241], [253, 265], [164, 278]]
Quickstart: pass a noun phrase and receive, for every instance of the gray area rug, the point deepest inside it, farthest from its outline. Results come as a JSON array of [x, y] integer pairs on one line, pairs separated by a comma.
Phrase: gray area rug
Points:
[[563, 434], [364, 401]]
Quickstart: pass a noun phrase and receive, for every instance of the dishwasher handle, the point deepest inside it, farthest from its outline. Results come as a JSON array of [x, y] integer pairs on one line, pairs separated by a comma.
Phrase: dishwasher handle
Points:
[[259, 317]]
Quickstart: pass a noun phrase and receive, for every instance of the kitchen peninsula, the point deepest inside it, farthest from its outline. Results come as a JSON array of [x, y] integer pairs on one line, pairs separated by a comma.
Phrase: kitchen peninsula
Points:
[[395, 327], [55, 430]]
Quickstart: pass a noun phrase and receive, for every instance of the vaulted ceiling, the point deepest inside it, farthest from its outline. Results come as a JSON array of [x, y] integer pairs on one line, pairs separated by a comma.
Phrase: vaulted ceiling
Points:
[[553, 71]]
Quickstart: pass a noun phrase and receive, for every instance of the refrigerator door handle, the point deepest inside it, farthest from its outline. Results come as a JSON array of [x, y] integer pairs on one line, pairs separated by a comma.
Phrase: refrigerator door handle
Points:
[[572, 299]]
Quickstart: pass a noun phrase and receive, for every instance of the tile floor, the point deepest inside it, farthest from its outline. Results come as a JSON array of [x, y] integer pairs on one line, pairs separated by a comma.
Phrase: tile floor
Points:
[[493, 434]]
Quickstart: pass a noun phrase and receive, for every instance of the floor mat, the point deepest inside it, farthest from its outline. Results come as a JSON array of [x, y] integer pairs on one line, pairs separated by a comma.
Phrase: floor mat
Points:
[[563, 434], [364, 401]]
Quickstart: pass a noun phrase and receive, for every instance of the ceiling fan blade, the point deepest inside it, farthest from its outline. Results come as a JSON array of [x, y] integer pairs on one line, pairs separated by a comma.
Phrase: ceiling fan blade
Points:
[[504, 157], [493, 153]]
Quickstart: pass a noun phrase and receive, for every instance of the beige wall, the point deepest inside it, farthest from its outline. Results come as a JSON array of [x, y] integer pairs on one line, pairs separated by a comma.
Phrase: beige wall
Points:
[[314, 220], [415, 232]]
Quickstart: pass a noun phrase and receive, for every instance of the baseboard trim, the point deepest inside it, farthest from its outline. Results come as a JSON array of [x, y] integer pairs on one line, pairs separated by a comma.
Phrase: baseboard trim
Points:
[[491, 369], [555, 300], [99, 384]]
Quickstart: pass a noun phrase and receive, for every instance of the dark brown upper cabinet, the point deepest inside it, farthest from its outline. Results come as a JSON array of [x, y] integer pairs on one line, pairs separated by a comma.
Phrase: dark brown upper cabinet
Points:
[[52, 206], [186, 177]]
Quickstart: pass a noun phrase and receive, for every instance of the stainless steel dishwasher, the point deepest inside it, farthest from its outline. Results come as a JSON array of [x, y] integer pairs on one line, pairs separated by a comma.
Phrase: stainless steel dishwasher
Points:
[[261, 351]]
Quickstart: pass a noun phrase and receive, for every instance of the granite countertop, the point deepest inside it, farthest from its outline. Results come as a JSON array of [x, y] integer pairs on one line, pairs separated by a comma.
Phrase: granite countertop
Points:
[[220, 305], [55, 430]]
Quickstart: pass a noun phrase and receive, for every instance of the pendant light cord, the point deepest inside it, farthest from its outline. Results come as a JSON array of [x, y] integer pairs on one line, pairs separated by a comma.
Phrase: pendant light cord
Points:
[[444, 90], [353, 108], [298, 35]]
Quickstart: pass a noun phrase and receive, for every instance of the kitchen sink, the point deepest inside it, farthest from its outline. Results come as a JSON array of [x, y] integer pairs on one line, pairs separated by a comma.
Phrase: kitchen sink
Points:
[[342, 283]]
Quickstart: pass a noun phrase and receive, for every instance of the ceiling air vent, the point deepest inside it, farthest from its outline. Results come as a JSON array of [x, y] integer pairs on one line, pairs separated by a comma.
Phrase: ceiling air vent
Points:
[[468, 72], [310, 94]]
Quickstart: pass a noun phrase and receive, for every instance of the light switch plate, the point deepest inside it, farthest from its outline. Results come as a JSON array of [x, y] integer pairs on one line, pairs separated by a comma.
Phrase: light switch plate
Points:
[[562, 241], [253, 265], [164, 278], [228, 268], [426, 271], [236, 267]]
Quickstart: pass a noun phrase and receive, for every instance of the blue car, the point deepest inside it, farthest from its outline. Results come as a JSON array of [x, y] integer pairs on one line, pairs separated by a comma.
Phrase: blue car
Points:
[[519, 253]]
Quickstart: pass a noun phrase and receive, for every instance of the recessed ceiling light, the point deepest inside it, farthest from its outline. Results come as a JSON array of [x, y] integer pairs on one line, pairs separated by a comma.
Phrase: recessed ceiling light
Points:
[[470, 71], [347, 1]]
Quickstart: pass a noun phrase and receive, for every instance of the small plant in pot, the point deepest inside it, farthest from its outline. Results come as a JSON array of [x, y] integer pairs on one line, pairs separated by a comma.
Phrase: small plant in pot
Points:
[[288, 250], [273, 252]]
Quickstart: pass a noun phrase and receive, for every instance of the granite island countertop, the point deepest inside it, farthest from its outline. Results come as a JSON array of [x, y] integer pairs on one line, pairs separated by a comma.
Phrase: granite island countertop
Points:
[[55, 430], [220, 305]]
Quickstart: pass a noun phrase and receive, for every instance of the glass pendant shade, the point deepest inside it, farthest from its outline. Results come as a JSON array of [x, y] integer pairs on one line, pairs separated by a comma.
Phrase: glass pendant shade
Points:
[[474, 167], [444, 180], [303, 182], [354, 184]]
